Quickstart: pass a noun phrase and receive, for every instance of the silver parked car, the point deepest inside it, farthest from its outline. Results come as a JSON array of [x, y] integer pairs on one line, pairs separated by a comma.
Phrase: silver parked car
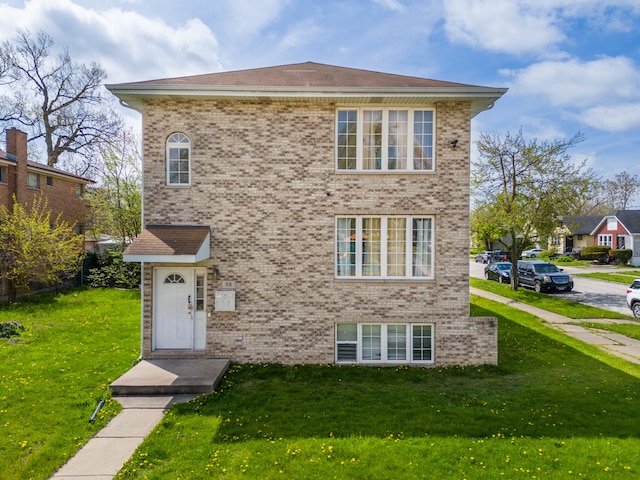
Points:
[[633, 297]]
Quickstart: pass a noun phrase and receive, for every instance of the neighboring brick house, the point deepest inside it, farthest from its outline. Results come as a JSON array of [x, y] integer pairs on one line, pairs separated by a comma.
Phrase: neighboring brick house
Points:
[[27, 180], [308, 213], [620, 230]]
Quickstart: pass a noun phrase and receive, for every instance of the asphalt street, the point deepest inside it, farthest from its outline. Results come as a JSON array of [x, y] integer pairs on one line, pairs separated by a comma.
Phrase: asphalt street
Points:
[[607, 295]]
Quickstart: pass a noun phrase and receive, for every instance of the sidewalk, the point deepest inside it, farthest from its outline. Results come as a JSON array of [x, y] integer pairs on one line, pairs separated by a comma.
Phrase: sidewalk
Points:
[[103, 456], [613, 343]]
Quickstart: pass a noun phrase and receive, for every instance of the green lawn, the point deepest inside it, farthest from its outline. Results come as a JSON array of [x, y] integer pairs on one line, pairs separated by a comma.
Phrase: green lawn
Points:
[[622, 277], [54, 373], [553, 408]]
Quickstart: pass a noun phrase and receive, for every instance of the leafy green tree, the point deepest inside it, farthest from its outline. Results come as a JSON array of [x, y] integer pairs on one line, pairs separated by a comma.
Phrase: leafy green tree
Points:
[[59, 102], [34, 248], [527, 185], [116, 203], [484, 228]]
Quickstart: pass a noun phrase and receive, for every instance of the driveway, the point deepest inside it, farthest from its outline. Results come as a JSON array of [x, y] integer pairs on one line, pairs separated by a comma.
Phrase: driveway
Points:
[[597, 293]]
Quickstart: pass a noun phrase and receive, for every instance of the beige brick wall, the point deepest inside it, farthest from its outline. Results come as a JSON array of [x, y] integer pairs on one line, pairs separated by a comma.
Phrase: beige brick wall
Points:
[[260, 177]]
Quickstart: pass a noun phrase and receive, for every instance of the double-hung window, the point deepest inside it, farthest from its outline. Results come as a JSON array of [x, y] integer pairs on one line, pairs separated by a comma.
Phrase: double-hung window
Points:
[[385, 140], [178, 160], [384, 343], [384, 247], [606, 240]]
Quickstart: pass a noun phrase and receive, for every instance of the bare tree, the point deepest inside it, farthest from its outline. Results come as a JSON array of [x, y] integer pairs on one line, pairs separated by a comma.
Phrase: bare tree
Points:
[[60, 102], [620, 192]]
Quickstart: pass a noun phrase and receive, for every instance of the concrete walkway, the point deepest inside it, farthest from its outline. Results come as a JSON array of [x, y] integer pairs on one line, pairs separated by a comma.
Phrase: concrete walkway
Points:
[[103, 456], [613, 343], [148, 389]]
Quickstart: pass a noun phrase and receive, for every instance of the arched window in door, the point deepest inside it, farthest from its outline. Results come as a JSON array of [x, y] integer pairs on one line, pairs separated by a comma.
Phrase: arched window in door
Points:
[[174, 278]]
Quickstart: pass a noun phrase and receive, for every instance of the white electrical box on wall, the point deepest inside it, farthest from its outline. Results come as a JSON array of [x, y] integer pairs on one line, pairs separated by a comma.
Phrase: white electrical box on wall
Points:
[[225, 300]]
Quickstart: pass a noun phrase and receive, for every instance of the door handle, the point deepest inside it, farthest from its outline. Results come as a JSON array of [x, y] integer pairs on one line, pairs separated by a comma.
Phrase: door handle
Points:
[[189, 299]]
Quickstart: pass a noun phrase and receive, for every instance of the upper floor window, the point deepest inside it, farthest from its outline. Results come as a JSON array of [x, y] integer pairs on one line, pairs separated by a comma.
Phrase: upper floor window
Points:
[[3, 174], [384, 247], [387, 140], [79, 189], [49, 181], [178, 159], [33, 180]]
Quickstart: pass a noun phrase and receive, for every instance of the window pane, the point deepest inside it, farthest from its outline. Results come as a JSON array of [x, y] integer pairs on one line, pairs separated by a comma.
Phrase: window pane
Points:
[[396, 247], [396, 342], [347, 332], [371, 247], [371, 342], [200, 292], [423, 140], [421, 339], [398, 121], [422, 247], [347, 139], [346, 247], [372, 140]]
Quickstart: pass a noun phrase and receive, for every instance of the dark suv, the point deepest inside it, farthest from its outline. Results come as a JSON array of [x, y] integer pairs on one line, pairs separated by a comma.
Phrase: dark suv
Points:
[[543, 276]]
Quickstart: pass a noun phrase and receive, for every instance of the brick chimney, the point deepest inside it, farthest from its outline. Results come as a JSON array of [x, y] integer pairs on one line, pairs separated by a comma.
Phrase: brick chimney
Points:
[[17, 146]]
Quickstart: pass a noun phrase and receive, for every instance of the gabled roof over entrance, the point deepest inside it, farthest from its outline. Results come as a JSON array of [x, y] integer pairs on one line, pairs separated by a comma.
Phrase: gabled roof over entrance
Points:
[[170, 244], [309, 81]]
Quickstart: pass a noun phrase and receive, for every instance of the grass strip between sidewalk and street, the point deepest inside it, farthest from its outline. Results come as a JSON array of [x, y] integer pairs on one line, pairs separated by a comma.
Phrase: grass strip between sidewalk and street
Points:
[[625, 278]]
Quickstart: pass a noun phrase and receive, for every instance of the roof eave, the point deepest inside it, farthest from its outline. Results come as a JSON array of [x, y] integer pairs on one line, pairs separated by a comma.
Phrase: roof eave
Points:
[[133, 95]]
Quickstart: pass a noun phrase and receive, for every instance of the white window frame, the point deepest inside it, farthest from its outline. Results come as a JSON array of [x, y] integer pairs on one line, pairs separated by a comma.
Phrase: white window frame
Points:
[[384, 344], [385, 140], [178, 140], [605, 240], [341, 248]]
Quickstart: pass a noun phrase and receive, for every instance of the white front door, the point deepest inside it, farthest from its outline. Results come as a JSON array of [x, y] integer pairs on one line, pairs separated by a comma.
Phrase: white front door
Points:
[[179, 310]]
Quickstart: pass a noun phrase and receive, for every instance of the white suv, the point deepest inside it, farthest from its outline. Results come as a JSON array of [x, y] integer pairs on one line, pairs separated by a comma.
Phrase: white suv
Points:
[[633, 297]]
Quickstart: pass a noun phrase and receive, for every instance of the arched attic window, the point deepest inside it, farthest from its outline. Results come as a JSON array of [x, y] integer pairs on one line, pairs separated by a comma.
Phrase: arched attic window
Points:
[[178, 160]]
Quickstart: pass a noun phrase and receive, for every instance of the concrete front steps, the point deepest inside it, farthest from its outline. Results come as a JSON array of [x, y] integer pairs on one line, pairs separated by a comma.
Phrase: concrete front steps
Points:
[[171, 377]]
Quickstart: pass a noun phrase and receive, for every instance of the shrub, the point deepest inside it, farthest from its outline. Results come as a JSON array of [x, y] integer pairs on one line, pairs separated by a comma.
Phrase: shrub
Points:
[[10, 329], [598, 253], [564, 259], [113, 272], [621, 256]]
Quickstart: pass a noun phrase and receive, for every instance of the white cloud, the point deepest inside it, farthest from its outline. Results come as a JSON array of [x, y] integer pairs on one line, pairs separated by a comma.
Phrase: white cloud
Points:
[[249, 17], [580, 84], [394, 5], [602, 93], [128, 45], [501, 25], [613, 118]]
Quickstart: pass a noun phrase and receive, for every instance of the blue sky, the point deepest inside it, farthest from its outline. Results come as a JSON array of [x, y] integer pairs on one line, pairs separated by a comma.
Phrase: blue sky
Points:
[[570, 65]]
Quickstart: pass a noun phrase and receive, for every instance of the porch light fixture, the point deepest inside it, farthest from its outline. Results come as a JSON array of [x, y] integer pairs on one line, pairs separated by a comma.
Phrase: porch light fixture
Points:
[[454, 143]]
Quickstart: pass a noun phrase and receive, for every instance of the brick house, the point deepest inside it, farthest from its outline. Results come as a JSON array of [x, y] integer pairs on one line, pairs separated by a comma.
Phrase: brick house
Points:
[[308, 213], [27, 180], [620, 230]]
